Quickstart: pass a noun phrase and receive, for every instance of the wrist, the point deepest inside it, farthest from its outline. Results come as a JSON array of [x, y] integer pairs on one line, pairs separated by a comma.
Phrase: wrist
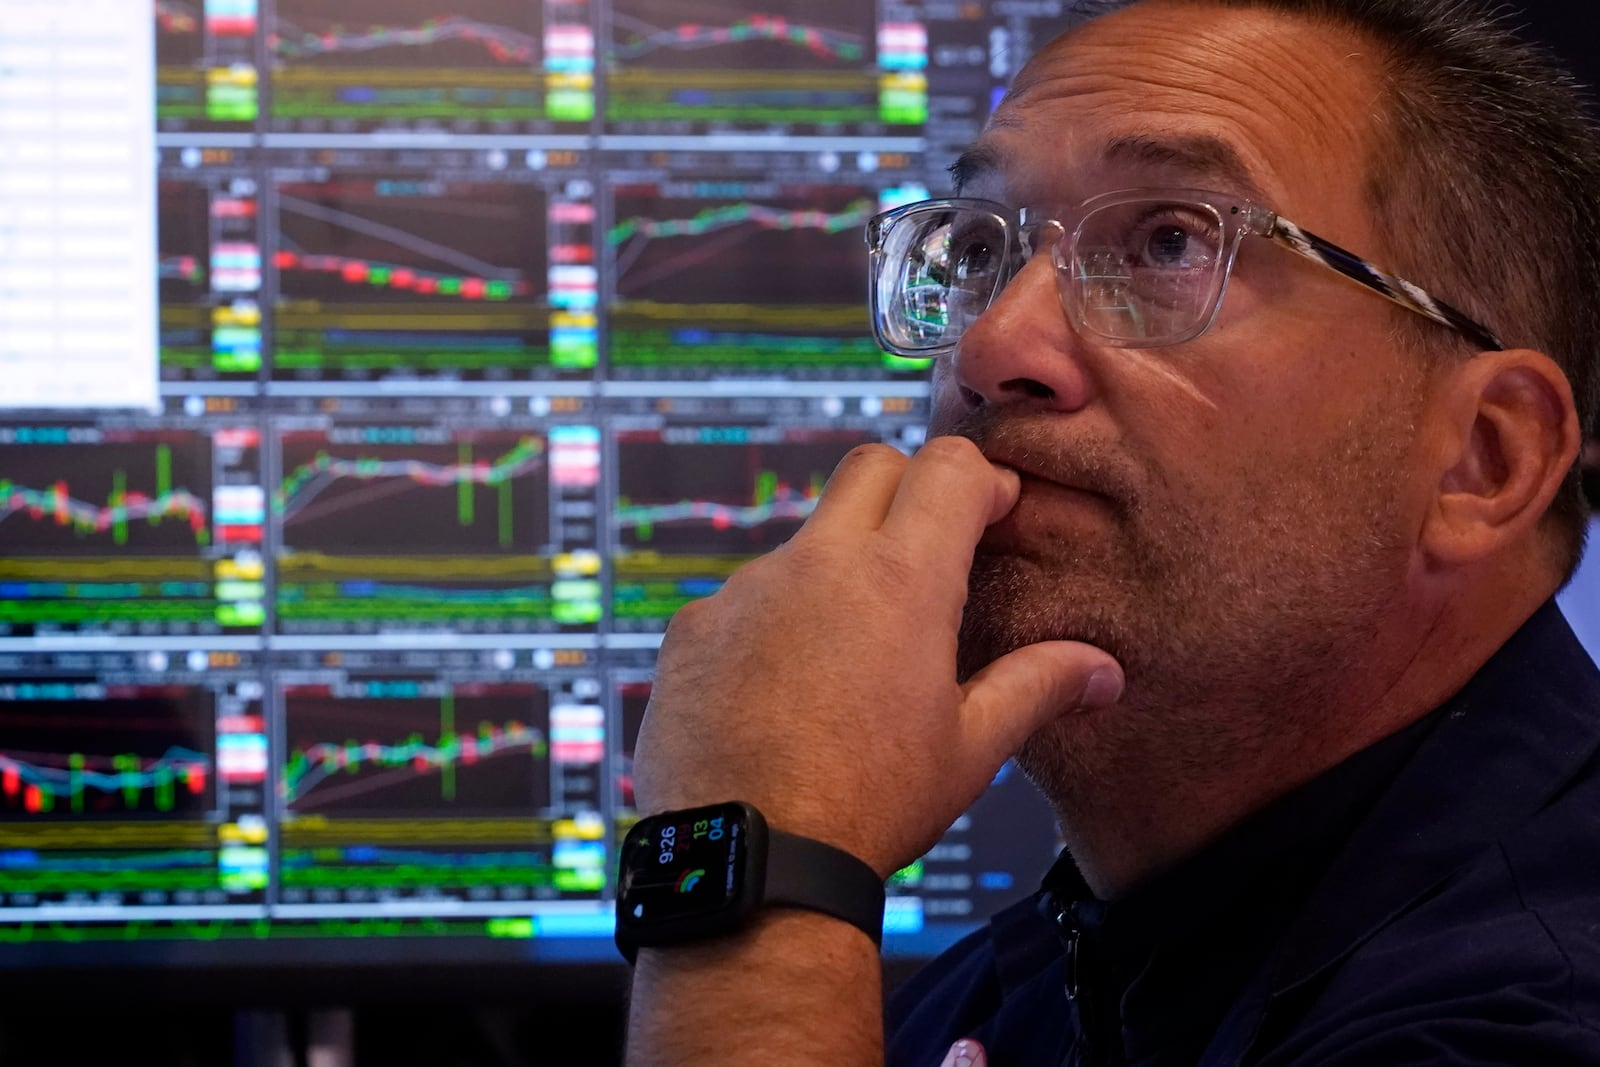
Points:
[[698, 873]]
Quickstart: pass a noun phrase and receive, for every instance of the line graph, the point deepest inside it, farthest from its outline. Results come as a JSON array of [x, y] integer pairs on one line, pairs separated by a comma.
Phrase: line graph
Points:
[[796, 248], [410, 749], [406, 526], [799, 65], [503, 44], [308, 493], [735, 494], [138, 751], [772, 501], [639, 38], [478, 66], [411, 274], [56, 514], [742, 221], [41, 780], [769, 281], [415, 270]]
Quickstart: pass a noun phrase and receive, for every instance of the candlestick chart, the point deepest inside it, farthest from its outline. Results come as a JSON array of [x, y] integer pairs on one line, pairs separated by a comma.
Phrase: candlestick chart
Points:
[[411, 277], [409, 786], [690, 511], [103, 533], [105, 791], [766, 284], [792, 63], [413, 525], [404, 61]]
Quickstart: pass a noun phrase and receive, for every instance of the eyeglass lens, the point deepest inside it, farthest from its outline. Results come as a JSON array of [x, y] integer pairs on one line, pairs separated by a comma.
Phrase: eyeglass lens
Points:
[[1144, 271]]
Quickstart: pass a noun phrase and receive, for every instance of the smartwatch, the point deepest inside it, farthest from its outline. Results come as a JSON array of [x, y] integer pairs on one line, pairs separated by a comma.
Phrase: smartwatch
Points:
[[684, 876]]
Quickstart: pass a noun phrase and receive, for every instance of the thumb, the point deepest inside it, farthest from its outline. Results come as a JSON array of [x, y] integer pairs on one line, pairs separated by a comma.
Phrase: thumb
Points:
[[1025, 689]]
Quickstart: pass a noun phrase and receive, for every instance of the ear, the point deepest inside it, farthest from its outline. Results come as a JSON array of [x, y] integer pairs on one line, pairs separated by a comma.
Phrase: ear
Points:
[[1508, 438]]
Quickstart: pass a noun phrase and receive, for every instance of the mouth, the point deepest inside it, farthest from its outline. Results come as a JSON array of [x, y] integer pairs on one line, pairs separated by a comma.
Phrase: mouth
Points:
[[1049, 515]]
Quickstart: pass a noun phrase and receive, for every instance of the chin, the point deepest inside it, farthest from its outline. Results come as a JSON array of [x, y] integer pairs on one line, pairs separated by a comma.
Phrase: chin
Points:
[[1013, 601]]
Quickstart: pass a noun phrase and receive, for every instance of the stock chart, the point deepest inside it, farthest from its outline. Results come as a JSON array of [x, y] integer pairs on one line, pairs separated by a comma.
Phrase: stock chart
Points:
[[761, 284], [696, 65], [118, 530], [490, 334], [401, 62]]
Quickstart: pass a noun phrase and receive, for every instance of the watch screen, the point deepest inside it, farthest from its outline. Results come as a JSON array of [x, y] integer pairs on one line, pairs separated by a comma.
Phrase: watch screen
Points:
[[683, 865]]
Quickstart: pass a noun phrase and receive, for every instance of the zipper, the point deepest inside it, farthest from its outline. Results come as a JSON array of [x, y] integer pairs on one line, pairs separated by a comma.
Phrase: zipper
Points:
[[1098, 1041]]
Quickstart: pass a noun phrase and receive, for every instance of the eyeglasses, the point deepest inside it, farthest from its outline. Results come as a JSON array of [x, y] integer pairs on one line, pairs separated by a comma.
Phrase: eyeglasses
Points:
[[1139, 268]]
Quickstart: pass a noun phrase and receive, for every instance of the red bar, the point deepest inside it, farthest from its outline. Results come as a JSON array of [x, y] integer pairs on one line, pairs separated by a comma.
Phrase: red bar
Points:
[[231, 25], [240, 724], [236, 534]]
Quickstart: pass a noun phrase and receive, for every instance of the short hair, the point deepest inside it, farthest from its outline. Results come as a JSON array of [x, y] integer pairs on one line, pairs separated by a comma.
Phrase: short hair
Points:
[[1487, 172]]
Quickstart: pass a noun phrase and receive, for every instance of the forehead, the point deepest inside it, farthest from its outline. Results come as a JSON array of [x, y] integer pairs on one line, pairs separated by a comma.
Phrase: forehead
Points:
[[1241, 100]]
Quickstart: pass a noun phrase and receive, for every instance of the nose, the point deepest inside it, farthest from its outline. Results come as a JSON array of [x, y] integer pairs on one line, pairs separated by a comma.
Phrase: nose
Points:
[[1022, 349]]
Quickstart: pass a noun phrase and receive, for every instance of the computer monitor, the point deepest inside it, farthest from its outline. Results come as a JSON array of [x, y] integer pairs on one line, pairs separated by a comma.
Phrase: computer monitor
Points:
[[378, 381]]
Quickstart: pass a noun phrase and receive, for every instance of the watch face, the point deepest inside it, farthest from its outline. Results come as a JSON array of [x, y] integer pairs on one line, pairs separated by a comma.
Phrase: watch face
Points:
[[684, 865]]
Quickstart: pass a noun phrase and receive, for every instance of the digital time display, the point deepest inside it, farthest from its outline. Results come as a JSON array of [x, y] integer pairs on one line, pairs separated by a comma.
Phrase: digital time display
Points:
[[684, 866]]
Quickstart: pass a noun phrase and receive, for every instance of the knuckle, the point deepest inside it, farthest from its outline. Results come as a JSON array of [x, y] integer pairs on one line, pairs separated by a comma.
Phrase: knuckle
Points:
[[950, 450], [874, 453]]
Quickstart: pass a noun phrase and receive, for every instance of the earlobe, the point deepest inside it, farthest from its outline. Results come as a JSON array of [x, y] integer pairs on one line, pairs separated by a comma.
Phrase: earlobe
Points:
[[1511, 435]]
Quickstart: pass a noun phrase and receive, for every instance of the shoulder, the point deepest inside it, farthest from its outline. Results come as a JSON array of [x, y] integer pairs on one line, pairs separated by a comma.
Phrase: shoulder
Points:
[[1498, 964]]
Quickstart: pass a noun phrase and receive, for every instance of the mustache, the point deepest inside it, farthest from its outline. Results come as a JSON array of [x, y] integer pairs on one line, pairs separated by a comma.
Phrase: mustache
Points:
[[1043, 446]]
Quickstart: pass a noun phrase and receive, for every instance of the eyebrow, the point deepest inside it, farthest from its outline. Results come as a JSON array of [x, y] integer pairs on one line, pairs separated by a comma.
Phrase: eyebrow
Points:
[[1205, 159], [1209, 159], [972, 164]]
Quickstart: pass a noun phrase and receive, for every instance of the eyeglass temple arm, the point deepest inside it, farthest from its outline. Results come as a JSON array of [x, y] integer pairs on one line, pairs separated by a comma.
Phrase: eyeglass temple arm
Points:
[[1393, 287]]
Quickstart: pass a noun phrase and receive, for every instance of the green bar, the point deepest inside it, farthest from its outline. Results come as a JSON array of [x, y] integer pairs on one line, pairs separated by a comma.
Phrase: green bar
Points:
[[569, 105], [509, 927], [241, 614], [464, 486], [119, 494], [505, 512], [163, 474], [75, 780], [447, 737]]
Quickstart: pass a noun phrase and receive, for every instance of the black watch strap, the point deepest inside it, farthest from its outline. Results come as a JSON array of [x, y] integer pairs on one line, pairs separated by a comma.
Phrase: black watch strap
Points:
[[805, 873]]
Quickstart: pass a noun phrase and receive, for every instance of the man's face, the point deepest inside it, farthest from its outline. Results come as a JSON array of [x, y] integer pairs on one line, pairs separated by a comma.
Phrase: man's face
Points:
[[1228, 515]]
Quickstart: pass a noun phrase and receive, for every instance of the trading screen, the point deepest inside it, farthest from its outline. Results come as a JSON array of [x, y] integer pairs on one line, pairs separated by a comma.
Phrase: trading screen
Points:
[[478, 337]]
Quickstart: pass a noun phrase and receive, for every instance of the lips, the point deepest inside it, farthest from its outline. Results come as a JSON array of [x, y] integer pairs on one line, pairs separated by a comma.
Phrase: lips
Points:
[[1047, 517]]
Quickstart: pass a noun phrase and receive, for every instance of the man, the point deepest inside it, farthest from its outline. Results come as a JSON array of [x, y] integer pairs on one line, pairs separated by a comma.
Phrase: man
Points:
[[1259, 586]]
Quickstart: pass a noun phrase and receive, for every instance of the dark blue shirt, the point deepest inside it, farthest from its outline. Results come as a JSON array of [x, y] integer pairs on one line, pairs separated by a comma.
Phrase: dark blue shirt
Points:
[[1434, 899]]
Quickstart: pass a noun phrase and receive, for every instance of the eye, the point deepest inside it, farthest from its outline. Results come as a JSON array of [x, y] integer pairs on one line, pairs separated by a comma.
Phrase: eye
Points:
[[973, 253], [1175, 239]]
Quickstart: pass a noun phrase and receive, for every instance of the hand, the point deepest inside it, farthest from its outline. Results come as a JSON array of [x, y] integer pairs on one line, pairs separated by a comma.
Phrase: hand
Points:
[[820, 683]]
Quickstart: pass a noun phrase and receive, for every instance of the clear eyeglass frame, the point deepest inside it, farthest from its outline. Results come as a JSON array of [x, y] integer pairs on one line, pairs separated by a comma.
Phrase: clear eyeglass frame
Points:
[[912, 308]]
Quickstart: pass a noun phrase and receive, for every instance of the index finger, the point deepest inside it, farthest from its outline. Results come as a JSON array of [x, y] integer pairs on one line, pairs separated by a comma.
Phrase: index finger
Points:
[[948, 495], [861, 488]]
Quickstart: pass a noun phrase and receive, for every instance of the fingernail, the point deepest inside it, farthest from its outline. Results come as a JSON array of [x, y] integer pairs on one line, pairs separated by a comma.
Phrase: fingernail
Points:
[[1104, 688], [965, 1053]]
